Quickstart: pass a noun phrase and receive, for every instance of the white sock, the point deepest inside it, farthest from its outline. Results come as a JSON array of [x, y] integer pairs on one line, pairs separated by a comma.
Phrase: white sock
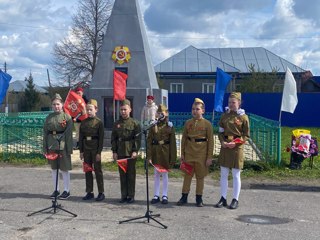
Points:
[[54, 178], [66, 180], [224, 172], [156, 183], [236, 183], [165, 181]]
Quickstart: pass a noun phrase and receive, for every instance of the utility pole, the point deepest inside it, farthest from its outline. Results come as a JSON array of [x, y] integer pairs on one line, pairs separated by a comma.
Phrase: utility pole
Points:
[[49, 78]]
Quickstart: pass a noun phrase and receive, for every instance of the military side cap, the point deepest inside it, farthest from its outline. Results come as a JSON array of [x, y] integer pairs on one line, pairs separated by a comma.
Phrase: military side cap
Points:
[[162, 108], [93, 102], [235, 95], [198, 100], [125, 102], [56, 96]]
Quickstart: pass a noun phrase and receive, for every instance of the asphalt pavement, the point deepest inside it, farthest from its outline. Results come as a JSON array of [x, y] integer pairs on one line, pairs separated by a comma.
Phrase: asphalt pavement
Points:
[[266, 210]]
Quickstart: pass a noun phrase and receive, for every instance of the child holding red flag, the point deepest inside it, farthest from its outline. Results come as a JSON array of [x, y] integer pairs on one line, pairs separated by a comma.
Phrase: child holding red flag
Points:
[[162, 151], [91, 136], [196, 150], [57, 140]]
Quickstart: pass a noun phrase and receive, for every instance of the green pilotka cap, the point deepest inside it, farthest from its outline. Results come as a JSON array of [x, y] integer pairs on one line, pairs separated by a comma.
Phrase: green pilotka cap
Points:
[[125, 102], [162, 108], [56, 96]]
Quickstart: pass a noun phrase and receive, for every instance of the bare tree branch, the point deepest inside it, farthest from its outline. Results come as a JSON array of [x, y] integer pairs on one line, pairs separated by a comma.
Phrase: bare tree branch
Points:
[[75, 56]]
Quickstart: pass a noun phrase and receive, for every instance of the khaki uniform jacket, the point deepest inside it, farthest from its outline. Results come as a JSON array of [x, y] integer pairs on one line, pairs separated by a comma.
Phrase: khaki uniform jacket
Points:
[[91, 135], [161, 145], [197, 151], [123, 137], [56, 125], [234, 126]]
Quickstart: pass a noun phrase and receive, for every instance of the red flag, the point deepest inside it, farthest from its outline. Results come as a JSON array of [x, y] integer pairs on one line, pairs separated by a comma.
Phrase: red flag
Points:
[[75, 105], [186, 167], [51, 156], [159, 168], [122, 163], [87, 167], [119, 85]]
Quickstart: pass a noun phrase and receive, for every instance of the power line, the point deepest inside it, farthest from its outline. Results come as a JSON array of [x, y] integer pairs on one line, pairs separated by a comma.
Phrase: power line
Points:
[[35, 27]]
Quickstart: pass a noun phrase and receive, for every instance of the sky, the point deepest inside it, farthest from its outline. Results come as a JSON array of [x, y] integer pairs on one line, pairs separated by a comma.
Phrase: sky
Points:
[[289, 28]]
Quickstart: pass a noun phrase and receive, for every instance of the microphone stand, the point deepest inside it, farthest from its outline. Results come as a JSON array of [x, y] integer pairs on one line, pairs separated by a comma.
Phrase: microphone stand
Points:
[[148, 213], [55, 204]]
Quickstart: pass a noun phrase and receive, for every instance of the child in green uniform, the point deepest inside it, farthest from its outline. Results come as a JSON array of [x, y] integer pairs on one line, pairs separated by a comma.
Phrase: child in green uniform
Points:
[[161, 150], [126, 141], [91, 136], [58, 128], [233, 132], [196, 150]]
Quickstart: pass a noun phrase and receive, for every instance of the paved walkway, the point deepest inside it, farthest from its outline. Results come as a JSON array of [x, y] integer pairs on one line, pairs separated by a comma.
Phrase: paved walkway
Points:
[[267, 211]]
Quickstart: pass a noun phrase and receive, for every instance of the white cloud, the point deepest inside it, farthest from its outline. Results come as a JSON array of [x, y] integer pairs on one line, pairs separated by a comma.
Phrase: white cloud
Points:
[[289, 28]]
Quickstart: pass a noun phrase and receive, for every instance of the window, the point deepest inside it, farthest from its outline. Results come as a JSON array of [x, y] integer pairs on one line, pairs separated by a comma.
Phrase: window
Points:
[[208, 87], [176, 87]]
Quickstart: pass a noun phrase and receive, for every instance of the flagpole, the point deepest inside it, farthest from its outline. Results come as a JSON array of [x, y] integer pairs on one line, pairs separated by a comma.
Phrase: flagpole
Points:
[[114, 110]]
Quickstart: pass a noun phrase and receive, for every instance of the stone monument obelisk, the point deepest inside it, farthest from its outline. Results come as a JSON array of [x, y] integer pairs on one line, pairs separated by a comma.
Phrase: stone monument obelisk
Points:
[[125, 48]]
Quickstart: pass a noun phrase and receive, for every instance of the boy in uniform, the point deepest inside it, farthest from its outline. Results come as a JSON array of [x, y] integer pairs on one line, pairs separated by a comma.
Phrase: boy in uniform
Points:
[[126, 142], [196, 150], [91, 136]]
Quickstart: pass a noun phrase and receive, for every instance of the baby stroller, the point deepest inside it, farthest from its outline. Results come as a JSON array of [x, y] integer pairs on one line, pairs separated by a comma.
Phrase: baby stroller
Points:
[[303, 146]]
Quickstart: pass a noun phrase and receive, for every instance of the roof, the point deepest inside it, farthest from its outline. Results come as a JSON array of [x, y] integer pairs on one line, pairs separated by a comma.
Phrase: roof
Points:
[[192, 59], [20, 86]]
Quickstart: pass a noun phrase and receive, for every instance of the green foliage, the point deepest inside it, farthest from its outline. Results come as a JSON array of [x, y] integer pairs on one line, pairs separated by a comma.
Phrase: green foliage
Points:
[[259, 81], [31, 99]]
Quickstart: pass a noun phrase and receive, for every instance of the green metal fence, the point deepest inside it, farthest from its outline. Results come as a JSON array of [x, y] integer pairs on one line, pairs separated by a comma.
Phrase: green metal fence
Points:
[[265, 134], [266, 138], [21, 134]]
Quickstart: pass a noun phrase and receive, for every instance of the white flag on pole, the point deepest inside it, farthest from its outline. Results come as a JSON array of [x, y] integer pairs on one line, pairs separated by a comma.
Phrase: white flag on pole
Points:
[[289, 95]]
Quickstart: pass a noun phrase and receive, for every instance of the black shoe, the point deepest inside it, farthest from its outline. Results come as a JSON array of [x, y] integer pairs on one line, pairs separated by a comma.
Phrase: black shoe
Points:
[[222, 203], [199, 201], [64, 195], [234, 204], [183, 200], [155, 199], [55, 194], [130, 200], [100, 197], [88, 196], [123, 200], [164, 200]]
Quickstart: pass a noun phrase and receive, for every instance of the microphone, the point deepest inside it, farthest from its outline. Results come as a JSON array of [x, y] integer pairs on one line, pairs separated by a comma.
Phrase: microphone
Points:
[[161, 116]]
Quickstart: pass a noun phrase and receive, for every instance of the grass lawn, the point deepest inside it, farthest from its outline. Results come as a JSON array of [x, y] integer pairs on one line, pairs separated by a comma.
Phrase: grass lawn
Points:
[[257, 170]]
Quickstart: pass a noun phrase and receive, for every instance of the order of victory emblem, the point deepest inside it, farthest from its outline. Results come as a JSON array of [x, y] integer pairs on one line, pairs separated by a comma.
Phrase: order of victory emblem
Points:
[[121, 54]]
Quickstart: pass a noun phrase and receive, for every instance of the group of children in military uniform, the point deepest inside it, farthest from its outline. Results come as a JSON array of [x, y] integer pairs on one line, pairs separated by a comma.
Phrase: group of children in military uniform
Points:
[[196, 148]]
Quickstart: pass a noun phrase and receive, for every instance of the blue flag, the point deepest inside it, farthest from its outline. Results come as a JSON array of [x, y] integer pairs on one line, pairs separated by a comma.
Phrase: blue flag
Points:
[[4, 84], [223, 80]]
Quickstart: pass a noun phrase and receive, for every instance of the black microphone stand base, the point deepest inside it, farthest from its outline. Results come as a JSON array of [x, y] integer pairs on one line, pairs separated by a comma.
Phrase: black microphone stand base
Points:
[[55, 204], [149, 216], [54, 207]]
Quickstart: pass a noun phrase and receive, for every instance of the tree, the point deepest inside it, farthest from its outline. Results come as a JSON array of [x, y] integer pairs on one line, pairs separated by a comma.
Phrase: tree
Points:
[[259, 81], [75, 56], [31, 99]]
